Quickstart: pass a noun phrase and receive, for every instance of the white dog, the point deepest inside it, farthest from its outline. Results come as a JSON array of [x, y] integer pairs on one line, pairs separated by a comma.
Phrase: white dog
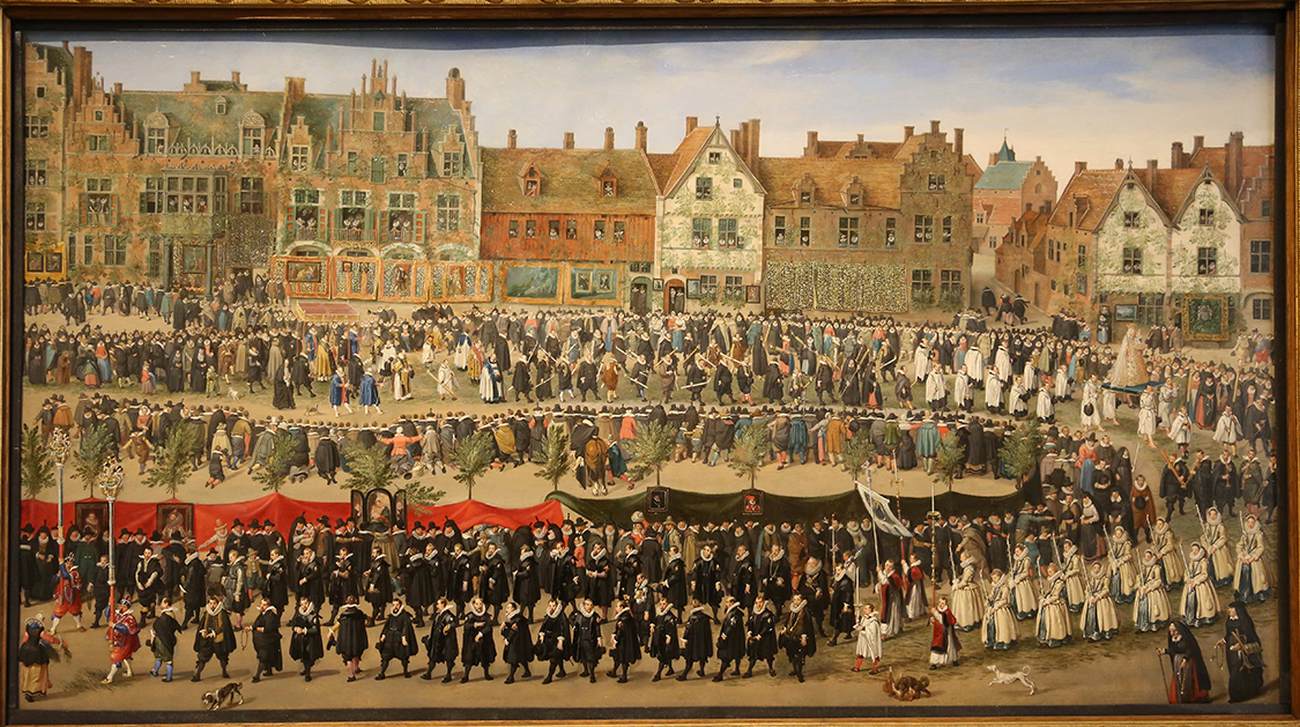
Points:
[[1022, 676]]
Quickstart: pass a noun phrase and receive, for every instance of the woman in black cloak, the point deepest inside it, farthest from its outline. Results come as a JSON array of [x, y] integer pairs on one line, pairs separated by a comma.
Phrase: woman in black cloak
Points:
[[282, 396], [1190, 682], [1245, 662]]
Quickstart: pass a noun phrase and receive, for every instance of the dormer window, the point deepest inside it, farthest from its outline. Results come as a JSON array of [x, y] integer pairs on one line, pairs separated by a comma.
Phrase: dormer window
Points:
[[532, 181], [251, 129], [221, 106], [805, 197], [607, 187], [855, 200], [715, 157]]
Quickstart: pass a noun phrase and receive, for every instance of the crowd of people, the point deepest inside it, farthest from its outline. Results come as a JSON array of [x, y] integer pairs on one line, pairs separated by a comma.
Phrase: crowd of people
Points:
[[731, 591]]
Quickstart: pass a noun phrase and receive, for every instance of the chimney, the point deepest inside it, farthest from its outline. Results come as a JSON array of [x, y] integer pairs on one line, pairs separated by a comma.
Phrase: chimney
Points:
[[1198, 143], [65, 45], [957, 142], [117, 88], [993, 158], [1080, 207], [511, 139], [194, 77], [908, 131], [609, 138], [455, 89], [234, 77], [640, 135], [934, 127], [735, 139], [363, 85], [568, 140], [1233, 163], [691, 123], [1119, 163], [1176, 158], [1080, 166], [859, 139], [751, 143], [810, 148], [1152, 165]]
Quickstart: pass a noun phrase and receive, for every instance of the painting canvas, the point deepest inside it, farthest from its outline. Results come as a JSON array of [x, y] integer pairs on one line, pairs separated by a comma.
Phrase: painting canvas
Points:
[[532, 282], [937, 363], [175, 520]]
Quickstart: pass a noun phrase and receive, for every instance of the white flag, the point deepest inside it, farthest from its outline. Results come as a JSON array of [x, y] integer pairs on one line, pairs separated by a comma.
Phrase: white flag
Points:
[[878, 507]]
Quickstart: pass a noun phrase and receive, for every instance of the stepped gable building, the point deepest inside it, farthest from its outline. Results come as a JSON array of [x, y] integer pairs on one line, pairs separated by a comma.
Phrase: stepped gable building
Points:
[[188, 186], [709, 218], [56, 80], [1141, 243], [570, 225], [1007, 189], [1247, 173], [867, 225]]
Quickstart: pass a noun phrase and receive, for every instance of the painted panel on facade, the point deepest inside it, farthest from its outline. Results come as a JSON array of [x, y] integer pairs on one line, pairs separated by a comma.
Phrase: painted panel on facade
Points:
[[539, 283], [304, 277], [593, 286]]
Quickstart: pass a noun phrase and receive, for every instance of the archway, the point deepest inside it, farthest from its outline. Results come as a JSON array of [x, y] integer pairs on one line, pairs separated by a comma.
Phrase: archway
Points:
[[640, 295], [675, 296]]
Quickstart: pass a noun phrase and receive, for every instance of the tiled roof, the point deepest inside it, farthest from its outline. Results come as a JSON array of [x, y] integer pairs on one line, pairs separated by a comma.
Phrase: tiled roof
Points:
[[1171, 188], [193, 118], [1004, 175], [1098, 186], [570, 181], [1256, 161], [684, 156], [880, 179]]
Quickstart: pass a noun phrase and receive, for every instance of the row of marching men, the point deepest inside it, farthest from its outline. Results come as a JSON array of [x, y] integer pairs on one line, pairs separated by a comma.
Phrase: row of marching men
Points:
[[737, 637]]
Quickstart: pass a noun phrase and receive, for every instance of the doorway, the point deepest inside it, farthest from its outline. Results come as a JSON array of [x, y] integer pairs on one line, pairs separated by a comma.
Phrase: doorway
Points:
[[675, 296], [640, 298]]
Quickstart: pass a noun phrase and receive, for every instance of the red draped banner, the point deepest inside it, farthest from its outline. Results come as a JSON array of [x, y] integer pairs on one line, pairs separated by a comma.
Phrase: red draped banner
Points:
[[283, 510]]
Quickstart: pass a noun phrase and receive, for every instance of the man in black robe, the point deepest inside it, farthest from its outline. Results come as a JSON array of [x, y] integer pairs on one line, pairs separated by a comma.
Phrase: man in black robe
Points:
[[266, 641], [397, 639]]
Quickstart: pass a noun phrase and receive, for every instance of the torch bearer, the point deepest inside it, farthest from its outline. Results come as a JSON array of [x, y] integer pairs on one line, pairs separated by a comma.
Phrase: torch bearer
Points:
[[110, 481], [58, 444]]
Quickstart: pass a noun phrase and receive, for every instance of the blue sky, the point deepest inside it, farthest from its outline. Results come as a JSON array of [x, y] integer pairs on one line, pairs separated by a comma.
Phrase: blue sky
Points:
[[1066, 95]]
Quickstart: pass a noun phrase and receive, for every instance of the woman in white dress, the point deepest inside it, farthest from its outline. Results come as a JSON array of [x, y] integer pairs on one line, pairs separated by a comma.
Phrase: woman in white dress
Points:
[[1109, 406], [1250, 579], [1024, 601], [1165, 544], [1200, 603], [1123, 577], [967, 597], [1151, 609], [999, 622], [1098, 622], [1053, 627], [1214, 539], [1075, 589]]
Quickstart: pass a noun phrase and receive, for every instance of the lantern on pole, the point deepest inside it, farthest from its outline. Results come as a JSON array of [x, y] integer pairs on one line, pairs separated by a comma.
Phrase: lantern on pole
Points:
[[110, 481], [59, 445]]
